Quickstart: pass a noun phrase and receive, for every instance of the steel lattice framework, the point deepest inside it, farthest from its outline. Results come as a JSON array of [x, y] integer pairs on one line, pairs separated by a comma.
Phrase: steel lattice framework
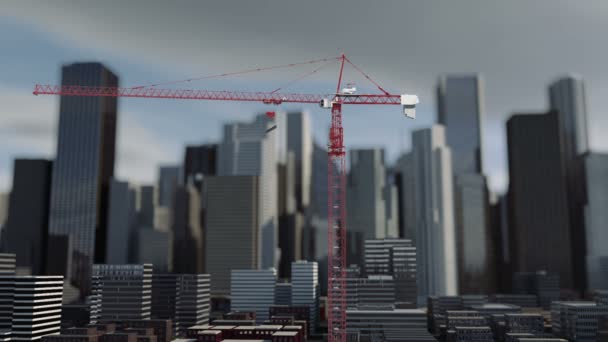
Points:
[[336, 181]]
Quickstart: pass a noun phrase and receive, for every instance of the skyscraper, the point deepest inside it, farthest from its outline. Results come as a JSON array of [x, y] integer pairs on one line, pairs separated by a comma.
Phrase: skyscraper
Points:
[[26, 230], [4, 199], [121, 292], [147, 207], [435, 232], [290, 219], [596, 215], [231, 240], [247, 150], [538, 208], [199, 162], [567, 97], [299, 141], [188, 244], [83, 168], [407, 199], [305, 289], [365, 200], [169, 178], [253, 290], [460, 110], [121, 221]]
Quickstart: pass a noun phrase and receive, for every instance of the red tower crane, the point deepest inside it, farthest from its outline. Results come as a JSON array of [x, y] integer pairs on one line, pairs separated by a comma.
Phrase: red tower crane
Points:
[[336, 195]]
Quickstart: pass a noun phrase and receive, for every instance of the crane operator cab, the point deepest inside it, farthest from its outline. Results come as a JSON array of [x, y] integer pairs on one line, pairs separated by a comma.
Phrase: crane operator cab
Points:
[[350, 89], [409, 102]]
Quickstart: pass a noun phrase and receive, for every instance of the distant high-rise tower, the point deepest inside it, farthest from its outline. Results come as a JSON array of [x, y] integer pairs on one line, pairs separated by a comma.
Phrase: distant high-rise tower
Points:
[[83, 168], [121, 221], [299, 140], [247, 150], [407, 198], [435, 233], [188, 244], [596, 169], [538, 209], [169, 179], [365, 200], [460, 110], [147, 206], [26, 230], [232, 228], [199, 162], [567, 97], [4, 198]]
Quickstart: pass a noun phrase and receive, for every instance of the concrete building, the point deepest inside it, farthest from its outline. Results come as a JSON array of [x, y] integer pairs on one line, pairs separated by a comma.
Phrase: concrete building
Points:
[[305, 289], [182, 298], [122, 217], [26, 230], [398, 325], [283, 294], [199, 162], [121, 292], [596, 174], [577, 321], [377, 292], [156, 248], [8, 263], [169, 178], [232, 228], [540, 237], [391, 206], [188, 244], [291, 220], [299, 141], [21, 309], [461, 111], [79, 195], [435, 232], [253, 290], [246, 150], [567, 98], [365, 198]]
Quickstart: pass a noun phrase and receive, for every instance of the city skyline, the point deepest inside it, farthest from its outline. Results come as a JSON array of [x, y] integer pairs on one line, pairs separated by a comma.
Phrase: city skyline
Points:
[[147, 135]]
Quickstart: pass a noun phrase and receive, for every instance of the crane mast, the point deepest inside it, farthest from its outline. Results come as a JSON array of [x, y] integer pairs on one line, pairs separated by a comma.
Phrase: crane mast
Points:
[[336, 171]]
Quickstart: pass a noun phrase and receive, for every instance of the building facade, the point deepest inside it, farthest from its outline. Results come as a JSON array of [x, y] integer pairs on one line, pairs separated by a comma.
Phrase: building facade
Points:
[[122, 216], [121, 292], [79, 195], [26, 230], [305, 289], [435, 231], [188, 243], [253, 291]]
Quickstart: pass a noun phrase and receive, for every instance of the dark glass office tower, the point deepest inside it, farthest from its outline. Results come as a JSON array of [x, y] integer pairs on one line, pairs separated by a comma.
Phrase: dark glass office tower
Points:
[[200, 161], [540, 238], [83, 168], [26, 229], [567, 97]]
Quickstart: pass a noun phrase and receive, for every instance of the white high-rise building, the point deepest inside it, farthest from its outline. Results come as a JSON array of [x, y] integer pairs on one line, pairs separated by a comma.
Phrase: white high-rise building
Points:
[[596, 216], [253, 290], [435, 235], [248, 150], [305, 289]]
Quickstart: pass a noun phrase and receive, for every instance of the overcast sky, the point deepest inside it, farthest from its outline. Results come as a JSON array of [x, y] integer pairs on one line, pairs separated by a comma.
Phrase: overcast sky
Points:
[[519, 46]]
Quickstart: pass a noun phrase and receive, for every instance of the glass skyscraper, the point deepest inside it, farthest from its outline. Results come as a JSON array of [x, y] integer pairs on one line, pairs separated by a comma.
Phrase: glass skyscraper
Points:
[[83, 168]]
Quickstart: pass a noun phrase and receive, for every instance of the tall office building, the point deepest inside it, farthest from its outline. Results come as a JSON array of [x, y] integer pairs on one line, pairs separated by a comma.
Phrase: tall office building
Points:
[[155, 247], [253, 291], [182, 298], [391, 210], [435, 232], [365, 200], [299, 141], [596, 215], [407, 199], [305, 289], [577, 321], [121, 292], [538, 207], [232, 228], [398, 325], [24, 313], [26, 229], [7, 264], [199, 162], [121, 221], [460, 110], [83, 168], [282, 294], [169, 178], [147, 207], [247, 150], [4, 199], [188, 244], [291, 221], [567, 97]]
